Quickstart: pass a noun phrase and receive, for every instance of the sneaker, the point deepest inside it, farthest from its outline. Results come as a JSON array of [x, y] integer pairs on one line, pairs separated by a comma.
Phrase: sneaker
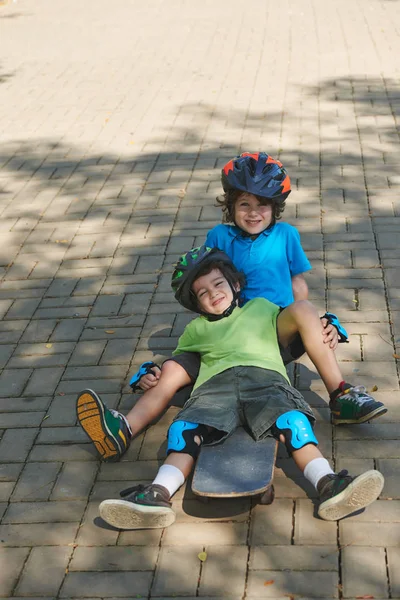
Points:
[[144, 507], [107, 429], [354, 405], [341, 494]]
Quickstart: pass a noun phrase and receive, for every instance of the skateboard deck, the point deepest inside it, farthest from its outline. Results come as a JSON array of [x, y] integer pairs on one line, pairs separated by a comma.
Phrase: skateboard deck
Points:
[[239, 466]]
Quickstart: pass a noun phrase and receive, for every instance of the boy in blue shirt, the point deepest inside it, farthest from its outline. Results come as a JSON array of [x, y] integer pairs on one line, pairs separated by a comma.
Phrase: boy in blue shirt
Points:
[[270, 254], [242, 380]]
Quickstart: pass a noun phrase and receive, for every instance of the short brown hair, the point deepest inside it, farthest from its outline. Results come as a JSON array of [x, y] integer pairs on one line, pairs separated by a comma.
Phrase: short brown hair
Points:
[[228, 200], [231, 274]]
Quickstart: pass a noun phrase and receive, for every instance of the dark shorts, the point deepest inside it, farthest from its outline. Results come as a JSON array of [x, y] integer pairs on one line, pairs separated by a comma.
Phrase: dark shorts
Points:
[[247, 396]]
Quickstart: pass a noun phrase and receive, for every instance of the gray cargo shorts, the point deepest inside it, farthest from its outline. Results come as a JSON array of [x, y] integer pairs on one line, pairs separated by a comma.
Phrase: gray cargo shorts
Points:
[[247, 396]]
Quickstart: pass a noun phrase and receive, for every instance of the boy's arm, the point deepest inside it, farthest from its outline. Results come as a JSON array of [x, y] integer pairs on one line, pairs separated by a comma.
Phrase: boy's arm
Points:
[[299, 287]]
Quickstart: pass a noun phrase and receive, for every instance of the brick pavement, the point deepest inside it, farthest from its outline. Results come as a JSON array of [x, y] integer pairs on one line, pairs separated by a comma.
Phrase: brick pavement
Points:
[[115, 119]]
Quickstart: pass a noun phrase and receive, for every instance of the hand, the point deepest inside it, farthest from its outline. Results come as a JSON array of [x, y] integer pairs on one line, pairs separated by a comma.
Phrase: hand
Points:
[[329, 334], [149, 381]]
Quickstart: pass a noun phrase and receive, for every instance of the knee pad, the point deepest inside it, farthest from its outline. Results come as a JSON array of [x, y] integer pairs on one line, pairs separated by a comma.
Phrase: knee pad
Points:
[[296, 428], [181, 436]]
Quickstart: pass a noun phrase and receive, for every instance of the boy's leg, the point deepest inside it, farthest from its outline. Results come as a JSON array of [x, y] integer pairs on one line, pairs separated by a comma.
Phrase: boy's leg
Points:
[[348, 404], [149, 506], [340, 494], [109, 430]]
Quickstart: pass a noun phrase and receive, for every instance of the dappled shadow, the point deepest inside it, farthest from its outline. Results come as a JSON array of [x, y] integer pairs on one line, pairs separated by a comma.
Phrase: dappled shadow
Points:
[[93, 236]]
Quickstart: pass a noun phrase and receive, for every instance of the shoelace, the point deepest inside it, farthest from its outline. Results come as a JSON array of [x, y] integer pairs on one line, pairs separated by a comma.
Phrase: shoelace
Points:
[[129, 491], [353, 394]]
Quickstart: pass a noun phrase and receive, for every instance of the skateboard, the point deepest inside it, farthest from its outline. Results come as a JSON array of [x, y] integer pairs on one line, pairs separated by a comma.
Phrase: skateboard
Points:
[[239, 466]]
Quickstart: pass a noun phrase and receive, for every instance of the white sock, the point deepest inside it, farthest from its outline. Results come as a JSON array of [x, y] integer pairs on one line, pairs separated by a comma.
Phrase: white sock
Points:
[[315, 469], [170, 477]]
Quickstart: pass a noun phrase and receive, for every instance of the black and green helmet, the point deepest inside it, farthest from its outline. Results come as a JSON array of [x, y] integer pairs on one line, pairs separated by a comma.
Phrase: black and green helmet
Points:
[[187, 269]]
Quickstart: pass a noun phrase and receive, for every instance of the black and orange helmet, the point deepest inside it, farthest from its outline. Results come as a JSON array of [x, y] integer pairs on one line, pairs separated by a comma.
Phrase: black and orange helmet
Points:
[[257, 173]]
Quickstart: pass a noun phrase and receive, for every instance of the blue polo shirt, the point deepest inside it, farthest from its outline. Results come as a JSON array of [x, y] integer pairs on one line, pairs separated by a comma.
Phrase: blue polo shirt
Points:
[[269, 262]]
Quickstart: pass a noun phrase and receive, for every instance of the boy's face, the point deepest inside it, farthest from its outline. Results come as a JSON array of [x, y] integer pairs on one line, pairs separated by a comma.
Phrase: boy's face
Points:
[[251, 215], [213, 292]]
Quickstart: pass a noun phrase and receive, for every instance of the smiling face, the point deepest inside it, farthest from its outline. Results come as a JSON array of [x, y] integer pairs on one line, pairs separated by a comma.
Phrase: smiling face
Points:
[[251, 215], [213, 292]]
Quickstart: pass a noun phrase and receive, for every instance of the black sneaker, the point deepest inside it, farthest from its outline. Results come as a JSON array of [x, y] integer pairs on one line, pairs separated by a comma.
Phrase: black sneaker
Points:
[[106, 428], [340, 494], [354, 405], [144, 507]]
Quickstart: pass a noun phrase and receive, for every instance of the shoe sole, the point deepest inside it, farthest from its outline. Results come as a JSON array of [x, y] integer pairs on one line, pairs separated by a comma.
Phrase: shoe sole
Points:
[[126, 515], [361, 492], [90, 413], [378, 412]]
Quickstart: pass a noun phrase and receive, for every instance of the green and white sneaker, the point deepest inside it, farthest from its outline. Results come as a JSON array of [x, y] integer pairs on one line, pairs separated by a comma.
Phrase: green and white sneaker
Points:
[[107, 429], [142, 507], [353, 405], [341, 495]]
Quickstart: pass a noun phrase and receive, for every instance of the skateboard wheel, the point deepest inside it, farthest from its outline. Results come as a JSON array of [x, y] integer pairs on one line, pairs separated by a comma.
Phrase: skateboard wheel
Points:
[[268, 496]]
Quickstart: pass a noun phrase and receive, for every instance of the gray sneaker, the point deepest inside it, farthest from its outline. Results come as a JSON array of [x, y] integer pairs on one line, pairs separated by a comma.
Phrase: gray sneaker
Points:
[[341, 495], [143, 507]]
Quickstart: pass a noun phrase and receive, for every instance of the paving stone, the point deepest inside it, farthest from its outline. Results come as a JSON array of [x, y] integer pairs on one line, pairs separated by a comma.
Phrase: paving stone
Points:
[[294, 558], [75, 481], [62, 453], [21, 420], [107, 305], [224, 571], [390, 470], [36, 482], [177, 572], [44, 512], [13, 381], [12, 561], [364, 572], [6, 352], [44, 571], [393, 556], [10, 472], [67, 330], [14, 447], [6, 488], [100, 585], [203, 534], [62, 435], [272, 525], [43, 381], [38, 331], [114, 559], [277, 584], [94, 531], [38, 534], [87, 353], [369, 534], [309, 528]]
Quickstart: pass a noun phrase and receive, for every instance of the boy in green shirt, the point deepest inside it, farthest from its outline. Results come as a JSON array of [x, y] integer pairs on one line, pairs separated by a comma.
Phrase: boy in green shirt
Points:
[[242, 380]]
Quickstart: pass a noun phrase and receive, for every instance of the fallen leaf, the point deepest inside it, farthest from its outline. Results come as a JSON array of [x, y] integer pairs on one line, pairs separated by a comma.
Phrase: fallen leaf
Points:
[[202, 556], [366, 597], [396, 356], [374, 388], [269, 582], [49, 345], [61, 393], [66, 570], [46, 417], [109, 331]]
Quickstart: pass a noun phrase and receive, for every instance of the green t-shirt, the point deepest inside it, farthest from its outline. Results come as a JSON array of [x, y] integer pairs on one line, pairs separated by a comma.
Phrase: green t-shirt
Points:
[[246, 338]]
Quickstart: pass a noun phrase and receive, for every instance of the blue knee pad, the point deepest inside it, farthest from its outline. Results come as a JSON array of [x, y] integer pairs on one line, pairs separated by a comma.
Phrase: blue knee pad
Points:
[[296, 428], [181, 436]]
